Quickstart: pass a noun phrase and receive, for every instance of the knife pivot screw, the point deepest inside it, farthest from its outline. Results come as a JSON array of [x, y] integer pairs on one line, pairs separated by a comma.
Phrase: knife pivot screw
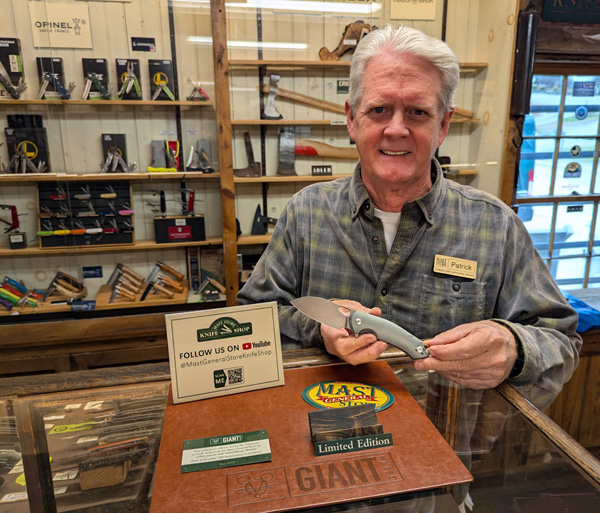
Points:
[[358, 321]]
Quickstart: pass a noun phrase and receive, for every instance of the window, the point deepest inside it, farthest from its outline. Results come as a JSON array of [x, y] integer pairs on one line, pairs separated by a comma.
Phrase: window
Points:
[[558, 191]]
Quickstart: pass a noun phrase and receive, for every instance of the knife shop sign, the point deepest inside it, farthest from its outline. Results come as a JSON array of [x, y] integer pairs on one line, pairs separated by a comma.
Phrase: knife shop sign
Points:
[[224, 351], [60, 25]]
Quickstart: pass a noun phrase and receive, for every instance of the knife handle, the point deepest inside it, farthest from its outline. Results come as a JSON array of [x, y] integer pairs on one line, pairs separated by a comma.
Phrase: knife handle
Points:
[[170, 270], [361, 322]]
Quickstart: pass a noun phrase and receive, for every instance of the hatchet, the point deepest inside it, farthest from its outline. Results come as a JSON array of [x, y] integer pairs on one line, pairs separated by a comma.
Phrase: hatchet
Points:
[[289, 146], [273, 90]]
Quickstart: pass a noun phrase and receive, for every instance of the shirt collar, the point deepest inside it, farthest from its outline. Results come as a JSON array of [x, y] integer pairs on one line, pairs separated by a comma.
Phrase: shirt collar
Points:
[[429, 204]]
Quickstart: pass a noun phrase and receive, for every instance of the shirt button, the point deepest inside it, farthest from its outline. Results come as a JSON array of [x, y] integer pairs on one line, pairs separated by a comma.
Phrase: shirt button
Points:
[[375, 239], [384, 292], [367, 207], [456, 287]]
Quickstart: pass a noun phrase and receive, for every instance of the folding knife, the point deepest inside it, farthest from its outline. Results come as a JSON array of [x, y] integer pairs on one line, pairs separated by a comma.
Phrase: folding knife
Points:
[[339, 317]]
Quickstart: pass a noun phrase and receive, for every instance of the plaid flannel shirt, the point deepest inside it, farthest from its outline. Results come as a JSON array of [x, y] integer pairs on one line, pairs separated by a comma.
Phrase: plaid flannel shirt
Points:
[[328, 243]]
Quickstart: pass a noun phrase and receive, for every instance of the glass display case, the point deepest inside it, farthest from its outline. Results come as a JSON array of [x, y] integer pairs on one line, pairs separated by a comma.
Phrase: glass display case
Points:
[[520, 460]]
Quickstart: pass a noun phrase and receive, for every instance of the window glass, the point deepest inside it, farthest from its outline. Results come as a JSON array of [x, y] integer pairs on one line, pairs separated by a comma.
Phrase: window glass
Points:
[[573, 227], [574, 166], [569, 272], [596, 243], [538, 221], [582, 101], [535, 167], [594, 279], [546, 94]]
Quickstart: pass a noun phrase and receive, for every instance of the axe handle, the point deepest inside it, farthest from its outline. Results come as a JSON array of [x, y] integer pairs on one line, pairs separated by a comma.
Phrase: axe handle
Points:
[[463, 112], [302, 98], [319, 149]]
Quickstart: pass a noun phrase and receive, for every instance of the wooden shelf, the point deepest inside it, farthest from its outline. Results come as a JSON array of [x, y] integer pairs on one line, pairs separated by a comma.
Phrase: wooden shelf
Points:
[[247, 240], [91, 177], [465, 67], [288, 179], [277, 122], [143, 245], [104, 103], [315, 122]]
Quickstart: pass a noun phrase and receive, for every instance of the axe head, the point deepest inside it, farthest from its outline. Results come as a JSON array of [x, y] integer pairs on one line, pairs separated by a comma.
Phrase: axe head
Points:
[[270, 111], [287, 146], [259, 222]]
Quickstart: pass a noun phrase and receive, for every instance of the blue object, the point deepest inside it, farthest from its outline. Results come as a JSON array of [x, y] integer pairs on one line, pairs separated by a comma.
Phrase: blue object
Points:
[[589, 318]]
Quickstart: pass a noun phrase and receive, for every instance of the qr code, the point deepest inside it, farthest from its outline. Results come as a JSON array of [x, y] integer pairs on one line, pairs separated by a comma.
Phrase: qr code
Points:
[[235, 376]]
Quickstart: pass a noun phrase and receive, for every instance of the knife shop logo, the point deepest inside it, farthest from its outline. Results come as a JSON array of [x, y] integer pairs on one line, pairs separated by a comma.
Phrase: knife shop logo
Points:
[[224, 327], [339, 394]]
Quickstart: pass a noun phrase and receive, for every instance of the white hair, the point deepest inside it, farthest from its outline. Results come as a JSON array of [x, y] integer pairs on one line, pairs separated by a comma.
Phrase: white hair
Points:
[[404, 40]]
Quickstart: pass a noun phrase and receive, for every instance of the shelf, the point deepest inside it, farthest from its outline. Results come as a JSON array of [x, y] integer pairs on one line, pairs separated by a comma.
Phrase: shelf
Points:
[[276, 122], [279, 64], [104, 103], [143, 245], [315, 122], [247, 240], [465, 67], [91, 177], [288, 179]]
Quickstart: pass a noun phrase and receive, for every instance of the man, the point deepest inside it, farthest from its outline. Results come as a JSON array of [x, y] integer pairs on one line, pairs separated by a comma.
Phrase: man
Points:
[[389, 240]]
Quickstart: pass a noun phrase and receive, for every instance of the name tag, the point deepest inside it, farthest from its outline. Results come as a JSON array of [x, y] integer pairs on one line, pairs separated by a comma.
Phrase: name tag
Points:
[[455, 266]]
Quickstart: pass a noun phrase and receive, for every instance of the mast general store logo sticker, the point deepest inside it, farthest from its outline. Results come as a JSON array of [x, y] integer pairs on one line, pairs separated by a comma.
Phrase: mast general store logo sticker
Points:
[[339, 394], [224, 327]]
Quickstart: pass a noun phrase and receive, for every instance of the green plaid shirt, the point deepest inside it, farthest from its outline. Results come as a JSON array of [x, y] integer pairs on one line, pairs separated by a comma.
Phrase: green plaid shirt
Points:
[[328, 243]]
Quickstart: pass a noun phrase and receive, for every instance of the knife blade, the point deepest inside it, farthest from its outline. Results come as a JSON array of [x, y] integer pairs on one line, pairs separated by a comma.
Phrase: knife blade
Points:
[[340, 317]]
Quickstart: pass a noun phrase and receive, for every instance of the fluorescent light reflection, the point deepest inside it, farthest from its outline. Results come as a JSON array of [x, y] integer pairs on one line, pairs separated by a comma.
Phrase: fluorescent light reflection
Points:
[[250, 44], [295, 5]]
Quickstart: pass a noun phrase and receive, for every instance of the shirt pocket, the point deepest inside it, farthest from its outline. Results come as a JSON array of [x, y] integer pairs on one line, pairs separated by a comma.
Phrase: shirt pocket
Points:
[[444, 303]]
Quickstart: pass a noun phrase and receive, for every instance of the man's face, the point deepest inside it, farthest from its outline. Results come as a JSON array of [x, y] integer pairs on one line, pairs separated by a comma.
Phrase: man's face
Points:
[[399, 123]]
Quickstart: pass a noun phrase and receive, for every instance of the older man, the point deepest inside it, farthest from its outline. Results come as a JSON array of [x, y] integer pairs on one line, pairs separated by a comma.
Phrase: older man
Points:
[[381, 240]]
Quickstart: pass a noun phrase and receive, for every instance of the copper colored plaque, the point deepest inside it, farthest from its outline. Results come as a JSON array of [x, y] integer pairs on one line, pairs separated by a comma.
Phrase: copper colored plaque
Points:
[[420, 458]]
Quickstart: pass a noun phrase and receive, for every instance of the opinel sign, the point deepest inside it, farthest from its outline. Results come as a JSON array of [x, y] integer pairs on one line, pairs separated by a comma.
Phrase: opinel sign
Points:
[[571, 11], [339, 394]]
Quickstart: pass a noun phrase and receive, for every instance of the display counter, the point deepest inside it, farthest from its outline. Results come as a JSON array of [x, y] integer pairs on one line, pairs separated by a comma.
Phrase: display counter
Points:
[[88, 441]]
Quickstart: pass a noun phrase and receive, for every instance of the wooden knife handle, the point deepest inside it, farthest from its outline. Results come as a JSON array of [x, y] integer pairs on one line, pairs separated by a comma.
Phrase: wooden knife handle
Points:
[[170, 283], [170, 270], [166, 292]]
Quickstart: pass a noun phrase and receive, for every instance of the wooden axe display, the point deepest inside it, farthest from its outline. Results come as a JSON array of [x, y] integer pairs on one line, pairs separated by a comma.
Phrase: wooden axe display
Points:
[[289, 146], [302, 98], [325, 105], [353, 33]]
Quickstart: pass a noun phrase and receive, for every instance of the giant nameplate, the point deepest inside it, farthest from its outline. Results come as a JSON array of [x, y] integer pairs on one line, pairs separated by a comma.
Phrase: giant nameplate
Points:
[[295, 478]]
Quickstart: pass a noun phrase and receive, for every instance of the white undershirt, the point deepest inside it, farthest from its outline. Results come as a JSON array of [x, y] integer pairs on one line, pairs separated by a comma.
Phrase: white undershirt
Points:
[[390, 221]]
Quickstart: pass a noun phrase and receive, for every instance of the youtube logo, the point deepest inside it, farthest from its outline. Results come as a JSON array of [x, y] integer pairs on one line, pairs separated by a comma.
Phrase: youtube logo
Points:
[[247, 345]]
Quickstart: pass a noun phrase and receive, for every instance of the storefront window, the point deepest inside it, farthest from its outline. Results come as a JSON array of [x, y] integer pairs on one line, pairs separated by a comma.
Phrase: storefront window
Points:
[[558, 162]]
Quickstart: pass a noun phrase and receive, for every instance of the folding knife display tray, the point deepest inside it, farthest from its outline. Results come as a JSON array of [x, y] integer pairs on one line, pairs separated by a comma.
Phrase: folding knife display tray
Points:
[[79, 214]]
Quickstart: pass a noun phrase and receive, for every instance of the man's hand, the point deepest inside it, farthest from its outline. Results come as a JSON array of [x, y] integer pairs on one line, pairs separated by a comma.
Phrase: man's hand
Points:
[[476, 355], [345, 345]]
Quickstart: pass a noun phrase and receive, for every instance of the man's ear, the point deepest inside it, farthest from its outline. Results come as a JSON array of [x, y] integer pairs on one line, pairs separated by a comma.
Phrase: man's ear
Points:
[[349, 119], [445, 125]]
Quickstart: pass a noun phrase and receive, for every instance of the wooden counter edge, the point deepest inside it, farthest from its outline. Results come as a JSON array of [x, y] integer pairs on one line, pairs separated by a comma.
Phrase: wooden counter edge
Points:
[[583, 461]]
